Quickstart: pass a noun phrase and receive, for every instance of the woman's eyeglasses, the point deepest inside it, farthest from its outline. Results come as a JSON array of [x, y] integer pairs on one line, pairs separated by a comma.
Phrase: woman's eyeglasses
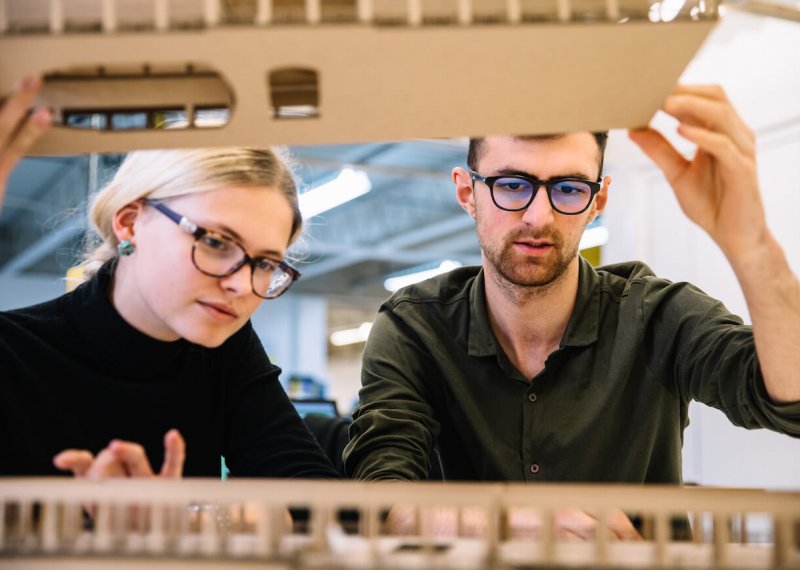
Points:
[[217, 255]]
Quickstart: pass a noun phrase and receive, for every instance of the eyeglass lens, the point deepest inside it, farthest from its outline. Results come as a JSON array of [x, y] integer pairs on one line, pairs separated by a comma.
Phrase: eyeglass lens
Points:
[[566, 196], [219, 256]]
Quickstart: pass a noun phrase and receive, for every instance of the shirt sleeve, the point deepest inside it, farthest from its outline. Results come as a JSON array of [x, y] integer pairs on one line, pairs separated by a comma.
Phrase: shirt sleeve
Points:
[[265, 437], [713, 356], [394, 428]]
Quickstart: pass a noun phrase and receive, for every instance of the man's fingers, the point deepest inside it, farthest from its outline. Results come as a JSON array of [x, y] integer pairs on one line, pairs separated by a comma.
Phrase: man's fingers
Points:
[[132, 457], [622, 528], [710, 91], [76, 460], [174, 454], [660, 151], [714, 115], [717, 145]]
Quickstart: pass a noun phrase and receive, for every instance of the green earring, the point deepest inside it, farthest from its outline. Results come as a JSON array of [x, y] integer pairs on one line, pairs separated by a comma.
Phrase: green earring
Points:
[[125, 247]]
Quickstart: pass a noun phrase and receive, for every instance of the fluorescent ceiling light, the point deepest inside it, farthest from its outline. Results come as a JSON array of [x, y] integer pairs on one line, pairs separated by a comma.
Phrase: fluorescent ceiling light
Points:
[[394, 283], [348, 185], [351, 336], [594, 237]]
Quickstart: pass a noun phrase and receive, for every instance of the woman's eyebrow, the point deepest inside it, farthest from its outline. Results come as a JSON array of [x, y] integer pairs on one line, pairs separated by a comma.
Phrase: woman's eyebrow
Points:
[[223, 229]]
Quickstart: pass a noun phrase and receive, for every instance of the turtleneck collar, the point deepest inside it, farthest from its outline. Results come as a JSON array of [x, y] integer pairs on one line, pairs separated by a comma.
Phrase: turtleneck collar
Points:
[[115, 342]]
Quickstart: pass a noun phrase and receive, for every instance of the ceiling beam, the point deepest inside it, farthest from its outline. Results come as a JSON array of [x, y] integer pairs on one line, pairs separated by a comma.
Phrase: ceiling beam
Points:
[[42, 247], [357, 254]]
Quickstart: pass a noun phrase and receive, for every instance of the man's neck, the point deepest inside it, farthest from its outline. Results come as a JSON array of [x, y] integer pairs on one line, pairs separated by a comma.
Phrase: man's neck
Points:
[[529, 322]]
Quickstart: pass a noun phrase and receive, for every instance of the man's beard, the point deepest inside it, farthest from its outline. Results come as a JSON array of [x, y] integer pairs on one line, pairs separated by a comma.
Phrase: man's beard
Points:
[[529, 271]]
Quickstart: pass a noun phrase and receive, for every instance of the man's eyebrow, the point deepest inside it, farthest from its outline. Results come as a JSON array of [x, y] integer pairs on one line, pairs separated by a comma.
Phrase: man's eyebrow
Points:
[[516, 172], [230, 232]]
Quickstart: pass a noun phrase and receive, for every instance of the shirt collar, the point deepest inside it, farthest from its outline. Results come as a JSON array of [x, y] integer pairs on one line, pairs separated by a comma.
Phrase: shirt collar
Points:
[[582, 329]]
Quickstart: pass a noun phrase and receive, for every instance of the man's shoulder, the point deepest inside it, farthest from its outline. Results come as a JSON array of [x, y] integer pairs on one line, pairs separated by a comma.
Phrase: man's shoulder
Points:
[[618, 278], [446, 289]]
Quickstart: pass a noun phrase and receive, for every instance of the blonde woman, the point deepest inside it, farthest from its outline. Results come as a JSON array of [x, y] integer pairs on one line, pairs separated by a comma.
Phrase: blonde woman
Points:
[[151, 366]]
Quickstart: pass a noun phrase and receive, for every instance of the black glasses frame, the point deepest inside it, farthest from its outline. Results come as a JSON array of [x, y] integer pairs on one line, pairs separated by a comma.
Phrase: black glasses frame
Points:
[[536, 184], [199, 231]]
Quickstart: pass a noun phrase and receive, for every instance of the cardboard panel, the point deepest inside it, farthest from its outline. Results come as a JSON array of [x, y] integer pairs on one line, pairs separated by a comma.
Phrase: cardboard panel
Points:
[[372, 83]]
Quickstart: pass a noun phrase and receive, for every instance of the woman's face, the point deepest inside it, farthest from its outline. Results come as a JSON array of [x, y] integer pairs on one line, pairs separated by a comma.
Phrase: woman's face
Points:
[[158, 289]]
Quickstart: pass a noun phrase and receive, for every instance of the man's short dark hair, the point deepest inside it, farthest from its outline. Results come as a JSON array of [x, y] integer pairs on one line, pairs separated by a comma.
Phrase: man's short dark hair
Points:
[[473, 154]]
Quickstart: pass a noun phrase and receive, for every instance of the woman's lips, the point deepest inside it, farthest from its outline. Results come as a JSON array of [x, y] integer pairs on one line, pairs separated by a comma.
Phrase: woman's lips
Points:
[[219, 311]]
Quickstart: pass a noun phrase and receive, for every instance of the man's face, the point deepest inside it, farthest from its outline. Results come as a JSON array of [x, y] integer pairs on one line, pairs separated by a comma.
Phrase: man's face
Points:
[[532, 247]]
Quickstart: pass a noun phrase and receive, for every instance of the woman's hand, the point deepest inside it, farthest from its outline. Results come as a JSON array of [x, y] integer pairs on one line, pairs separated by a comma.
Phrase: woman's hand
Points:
[[19, 126], [124, 459]]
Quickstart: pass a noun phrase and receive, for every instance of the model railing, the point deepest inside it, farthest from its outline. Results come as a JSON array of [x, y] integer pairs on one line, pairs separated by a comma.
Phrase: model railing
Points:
[[108, 16], [349, 525]]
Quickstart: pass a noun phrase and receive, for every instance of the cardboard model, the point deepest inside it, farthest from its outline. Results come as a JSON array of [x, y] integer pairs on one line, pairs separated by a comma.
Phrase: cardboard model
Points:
[[237, 523], [125, 74]]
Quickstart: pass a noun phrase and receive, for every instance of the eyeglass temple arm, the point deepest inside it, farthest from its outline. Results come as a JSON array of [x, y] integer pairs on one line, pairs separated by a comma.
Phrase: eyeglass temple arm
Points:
[[182, 221]]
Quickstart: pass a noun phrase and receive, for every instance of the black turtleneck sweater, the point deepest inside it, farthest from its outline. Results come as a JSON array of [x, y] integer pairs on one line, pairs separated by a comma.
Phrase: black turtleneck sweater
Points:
[[74, 374]]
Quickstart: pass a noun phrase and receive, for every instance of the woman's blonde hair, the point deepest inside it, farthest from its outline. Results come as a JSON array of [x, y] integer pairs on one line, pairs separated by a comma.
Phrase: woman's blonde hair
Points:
[[160, 174]]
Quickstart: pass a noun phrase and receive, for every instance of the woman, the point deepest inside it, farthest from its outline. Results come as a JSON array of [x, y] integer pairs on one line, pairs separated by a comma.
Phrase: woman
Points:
[[152, 361]]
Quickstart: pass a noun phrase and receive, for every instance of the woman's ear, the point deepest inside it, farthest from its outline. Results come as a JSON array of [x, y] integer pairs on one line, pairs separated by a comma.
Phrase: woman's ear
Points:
[[464, 192], [124, 221]]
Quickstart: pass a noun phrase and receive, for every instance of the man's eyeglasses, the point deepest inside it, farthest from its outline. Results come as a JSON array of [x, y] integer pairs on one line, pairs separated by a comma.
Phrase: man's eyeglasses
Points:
[[217, 255], [514, 193]]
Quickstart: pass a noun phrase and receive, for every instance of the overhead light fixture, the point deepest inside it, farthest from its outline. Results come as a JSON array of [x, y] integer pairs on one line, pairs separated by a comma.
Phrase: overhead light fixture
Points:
[[349, 184], [594, 237], [397, 281], [351, 336]]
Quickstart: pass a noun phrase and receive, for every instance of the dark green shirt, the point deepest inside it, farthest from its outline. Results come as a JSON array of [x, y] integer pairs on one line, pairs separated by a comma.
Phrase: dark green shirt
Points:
[[610, 404]]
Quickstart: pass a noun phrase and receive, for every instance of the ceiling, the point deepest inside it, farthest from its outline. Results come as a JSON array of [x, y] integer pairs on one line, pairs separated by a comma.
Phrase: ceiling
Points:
[[409, 218]]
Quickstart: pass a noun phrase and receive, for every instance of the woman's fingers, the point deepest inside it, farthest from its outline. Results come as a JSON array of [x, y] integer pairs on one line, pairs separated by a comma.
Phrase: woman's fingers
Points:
[[16, 107], [19, 127], [76, 460], [33, 127], [174, 454], [132, 458]]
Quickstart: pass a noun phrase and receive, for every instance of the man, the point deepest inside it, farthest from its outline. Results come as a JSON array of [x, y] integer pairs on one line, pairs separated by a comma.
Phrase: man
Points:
[[537, 367]]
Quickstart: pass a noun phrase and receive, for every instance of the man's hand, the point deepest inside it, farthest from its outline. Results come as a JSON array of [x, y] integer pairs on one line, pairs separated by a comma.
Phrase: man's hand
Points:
[[19, 127], [520, 522], [718, 188], [124, 459]]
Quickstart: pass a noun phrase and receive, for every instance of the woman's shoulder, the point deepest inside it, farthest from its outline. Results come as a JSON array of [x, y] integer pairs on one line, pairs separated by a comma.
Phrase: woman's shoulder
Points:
[[35, 330], [47, 315]]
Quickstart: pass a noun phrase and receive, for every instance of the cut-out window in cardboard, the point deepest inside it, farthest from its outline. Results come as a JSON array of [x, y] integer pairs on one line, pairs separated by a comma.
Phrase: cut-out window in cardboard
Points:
[[294, 93]]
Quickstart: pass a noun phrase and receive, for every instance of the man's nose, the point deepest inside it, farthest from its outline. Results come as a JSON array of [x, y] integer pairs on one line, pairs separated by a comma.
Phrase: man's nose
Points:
[[539, 212]]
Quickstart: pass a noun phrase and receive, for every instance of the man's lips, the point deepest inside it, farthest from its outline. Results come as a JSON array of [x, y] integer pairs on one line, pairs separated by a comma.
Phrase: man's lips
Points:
[[221, 308], [533, 247]]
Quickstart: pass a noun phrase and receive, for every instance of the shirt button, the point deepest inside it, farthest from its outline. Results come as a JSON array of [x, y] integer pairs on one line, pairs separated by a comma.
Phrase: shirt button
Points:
[[532, 397], [534, 468]]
